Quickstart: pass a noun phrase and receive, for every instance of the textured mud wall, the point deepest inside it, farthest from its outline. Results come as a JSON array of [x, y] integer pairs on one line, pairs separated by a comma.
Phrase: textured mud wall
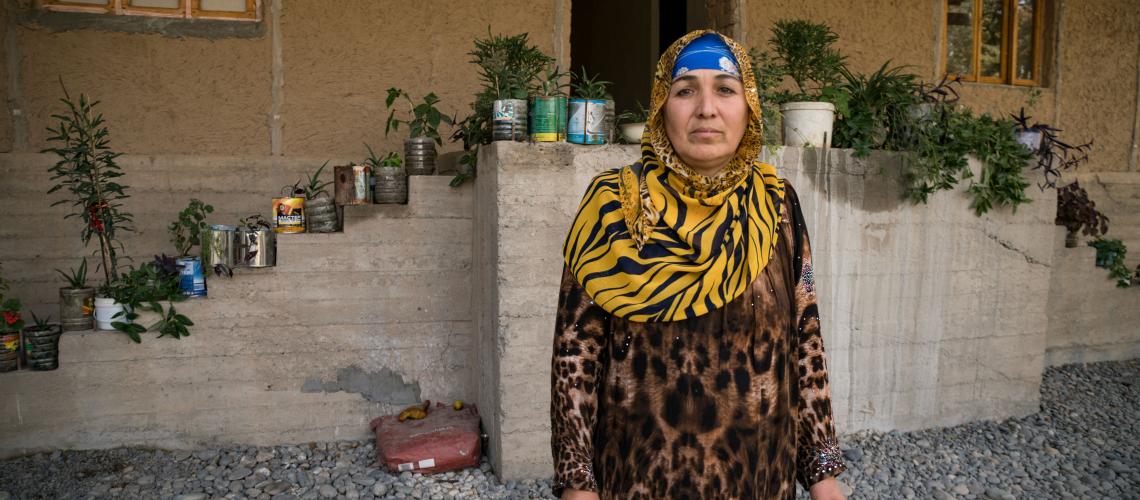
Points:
[[338, 62], [5, 116]]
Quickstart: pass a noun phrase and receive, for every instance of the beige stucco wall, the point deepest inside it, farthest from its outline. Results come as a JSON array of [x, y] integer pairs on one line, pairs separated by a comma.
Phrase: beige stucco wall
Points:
[[5, 117], [171, 93], [1090, 90]]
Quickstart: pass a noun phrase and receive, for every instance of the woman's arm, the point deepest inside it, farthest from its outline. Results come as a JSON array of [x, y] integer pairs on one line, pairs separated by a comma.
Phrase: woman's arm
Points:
[[818, 455], [577, 367]]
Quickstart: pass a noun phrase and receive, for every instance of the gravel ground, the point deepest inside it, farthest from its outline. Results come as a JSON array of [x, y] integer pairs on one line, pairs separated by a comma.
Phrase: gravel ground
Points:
[[1082, 444]]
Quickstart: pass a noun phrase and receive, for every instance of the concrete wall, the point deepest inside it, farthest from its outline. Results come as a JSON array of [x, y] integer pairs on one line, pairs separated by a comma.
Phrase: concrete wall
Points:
[[1090, 61], [932, 316], [1089, 318], [347, 327], [310, 80]]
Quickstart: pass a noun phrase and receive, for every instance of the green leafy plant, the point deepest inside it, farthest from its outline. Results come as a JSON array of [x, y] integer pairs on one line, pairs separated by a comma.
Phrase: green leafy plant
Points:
[[509, 67], [144, 288], [40, 324], [1110, 255], [186, 232], [1076, 211], [425, 117], [311, 186], [87, 170], [553, 82], [76, 277], [392, 159], [640, 115], [1053, 154], [804, 51], [585, 86], [878, 110], [10, 311]]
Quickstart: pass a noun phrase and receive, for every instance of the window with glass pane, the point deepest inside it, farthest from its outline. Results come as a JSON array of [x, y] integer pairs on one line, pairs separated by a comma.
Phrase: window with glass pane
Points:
[[994, 41], [1026, 39], [155, 4], [960, 37], [237, 10]]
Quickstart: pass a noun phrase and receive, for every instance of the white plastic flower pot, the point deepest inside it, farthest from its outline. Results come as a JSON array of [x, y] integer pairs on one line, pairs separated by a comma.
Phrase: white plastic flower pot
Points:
[[105, 311], [632, 132], [808, 124]]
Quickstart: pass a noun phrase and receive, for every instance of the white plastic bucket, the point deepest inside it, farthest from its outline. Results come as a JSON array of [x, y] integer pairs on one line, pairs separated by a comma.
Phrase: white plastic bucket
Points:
[[105, 311], [808, 124]]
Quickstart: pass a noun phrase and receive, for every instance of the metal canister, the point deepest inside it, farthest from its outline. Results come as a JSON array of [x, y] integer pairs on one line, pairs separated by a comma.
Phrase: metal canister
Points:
[[289, 215], [193, 280], [352, 185], [256, 248], [419, 156], [610, 126], [508, 120], [587, 121], [548, 119], [391, 185], [219, 246]]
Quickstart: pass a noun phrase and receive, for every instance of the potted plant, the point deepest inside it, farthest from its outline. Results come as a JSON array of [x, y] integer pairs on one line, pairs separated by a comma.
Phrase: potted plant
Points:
[[547, 120], [142, 291], [508, 67], [632, 123], [1076, 211], [391, 181], [880, 110], [41, 344], [1110, 255], [87, 170], [256, 243], [76, 300], [1053, 154], [10, 325], [804, 52], [320, 211], [186, 233], [419, 149], [589, 108]]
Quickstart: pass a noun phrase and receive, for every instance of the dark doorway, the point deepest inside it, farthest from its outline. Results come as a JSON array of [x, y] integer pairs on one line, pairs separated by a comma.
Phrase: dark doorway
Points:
[[621, 41]]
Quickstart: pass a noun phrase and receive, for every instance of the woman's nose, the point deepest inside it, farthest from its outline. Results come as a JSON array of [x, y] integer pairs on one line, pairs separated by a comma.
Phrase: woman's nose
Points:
[[706, 106]]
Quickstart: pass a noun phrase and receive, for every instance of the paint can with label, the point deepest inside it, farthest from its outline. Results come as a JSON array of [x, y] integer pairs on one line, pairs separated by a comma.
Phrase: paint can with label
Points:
[[289, 215], [192, 281], [548, 119], [587, 121], [353, 185], [508, 120]]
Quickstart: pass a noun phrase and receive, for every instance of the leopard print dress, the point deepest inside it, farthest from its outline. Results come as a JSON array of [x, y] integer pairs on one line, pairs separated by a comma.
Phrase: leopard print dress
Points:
[[731, 404]]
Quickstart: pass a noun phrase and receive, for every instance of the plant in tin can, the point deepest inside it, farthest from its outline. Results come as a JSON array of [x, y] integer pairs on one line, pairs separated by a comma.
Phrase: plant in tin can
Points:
[[75, 277], [143, 289], [1053, 154], [425, 117], [311, 186], [186, 232], [1110, 255], [585, 86], [553, 82], [87, 170], [392, 159], [10, 319]]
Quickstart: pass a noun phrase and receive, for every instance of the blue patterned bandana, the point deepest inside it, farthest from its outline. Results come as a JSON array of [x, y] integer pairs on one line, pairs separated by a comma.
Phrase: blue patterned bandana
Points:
[[706, 52]]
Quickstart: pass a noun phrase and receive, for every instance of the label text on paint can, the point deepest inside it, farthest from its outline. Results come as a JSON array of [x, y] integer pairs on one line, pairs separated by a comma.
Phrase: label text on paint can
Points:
[[548, 119], [192, 281], [289, 215]]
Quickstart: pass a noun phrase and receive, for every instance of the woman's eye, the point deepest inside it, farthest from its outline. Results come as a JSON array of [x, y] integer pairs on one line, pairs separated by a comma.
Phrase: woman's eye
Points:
[[727, 90], [684, 92]]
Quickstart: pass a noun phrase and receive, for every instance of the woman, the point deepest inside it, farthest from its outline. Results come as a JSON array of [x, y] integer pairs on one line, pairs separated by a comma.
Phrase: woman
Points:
[[687, 356]]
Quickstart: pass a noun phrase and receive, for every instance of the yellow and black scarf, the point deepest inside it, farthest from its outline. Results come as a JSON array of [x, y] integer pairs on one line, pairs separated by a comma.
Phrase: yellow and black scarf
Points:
[[656, 241]]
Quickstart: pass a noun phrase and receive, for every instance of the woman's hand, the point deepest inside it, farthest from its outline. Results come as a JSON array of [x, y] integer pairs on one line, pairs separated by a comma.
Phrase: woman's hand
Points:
[[827, 489], [569, 494]]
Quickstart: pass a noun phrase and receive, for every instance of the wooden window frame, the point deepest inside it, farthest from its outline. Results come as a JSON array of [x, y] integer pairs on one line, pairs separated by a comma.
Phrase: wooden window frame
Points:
[[1008, 71], [187, 9]]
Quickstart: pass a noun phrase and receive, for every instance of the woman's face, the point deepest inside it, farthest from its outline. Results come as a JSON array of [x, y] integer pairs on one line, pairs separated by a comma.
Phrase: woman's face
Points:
[[705, 118]]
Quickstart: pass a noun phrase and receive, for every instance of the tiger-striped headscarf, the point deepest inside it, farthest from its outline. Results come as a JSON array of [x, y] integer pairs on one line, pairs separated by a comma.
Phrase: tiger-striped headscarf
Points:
[[656, 241]]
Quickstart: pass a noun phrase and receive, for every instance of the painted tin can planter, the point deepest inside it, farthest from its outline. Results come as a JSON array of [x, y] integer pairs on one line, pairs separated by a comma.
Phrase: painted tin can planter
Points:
[[289, 215], [610, 125], [192, 280], [419, 156], [508, 120], [352, 185], [320, 215], [76, 309], [9, 351], [256, 248], [41, 347], [391, 185], [547, 119], [587, 121]]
